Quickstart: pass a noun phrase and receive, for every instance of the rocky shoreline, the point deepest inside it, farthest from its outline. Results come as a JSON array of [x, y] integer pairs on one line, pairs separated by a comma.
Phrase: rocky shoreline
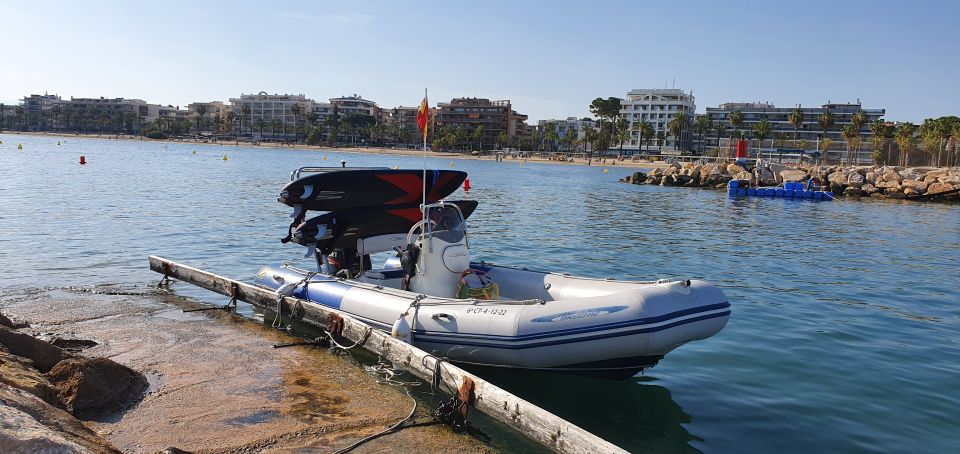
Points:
[[46, 390], [908, 183]]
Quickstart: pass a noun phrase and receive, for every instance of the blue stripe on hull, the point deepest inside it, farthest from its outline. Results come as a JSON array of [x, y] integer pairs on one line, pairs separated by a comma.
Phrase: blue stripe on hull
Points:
[[454, 341], [586, 329]]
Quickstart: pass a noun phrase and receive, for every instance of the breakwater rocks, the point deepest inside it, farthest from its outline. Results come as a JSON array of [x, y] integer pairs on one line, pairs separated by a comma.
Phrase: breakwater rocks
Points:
[[44, 389], [911, 183]]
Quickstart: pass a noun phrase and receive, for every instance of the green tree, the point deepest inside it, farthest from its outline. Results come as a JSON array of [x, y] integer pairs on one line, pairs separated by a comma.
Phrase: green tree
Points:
[[275, 124], [761, 131], [244, 116], [644, 132], [796, 118], [477, 135], [851, 134], [502, 140], [296, 110], [569, 139], [702, 125], [825, 121], [676, 126], [605, 109], [879, 132], [906, 141], [201, 112], [661, 138], [735, 119]]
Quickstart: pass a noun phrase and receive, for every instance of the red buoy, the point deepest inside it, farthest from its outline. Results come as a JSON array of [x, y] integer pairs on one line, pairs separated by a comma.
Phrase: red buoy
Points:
[[466, 184], [83, 160]]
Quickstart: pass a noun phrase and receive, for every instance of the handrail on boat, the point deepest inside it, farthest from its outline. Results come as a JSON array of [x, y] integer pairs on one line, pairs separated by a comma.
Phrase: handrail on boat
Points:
[[296, 173]]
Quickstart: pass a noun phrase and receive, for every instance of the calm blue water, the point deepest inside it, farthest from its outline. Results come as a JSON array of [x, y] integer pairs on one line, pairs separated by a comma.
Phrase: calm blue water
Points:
[[845, 334]]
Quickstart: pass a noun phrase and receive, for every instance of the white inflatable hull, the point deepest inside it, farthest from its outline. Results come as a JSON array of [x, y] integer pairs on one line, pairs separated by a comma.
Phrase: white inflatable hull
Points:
[[565, 324]]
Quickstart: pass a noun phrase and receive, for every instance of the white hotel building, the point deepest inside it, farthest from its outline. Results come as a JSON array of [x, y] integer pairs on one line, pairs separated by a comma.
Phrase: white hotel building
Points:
[[657, 106]]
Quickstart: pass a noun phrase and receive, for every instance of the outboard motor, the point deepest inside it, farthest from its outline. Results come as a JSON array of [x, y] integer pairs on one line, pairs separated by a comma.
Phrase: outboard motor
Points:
[[442, 251]]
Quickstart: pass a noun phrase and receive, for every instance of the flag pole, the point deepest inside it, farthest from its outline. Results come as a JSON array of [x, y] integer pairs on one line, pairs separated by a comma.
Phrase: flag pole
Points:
[[427, 113]]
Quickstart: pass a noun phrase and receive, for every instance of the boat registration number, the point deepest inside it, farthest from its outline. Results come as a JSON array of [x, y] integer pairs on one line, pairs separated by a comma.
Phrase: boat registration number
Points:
[[486, 311]]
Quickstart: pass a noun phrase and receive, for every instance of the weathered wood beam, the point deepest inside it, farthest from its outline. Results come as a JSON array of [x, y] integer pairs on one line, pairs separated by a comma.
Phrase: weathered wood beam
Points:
[[525, 417]]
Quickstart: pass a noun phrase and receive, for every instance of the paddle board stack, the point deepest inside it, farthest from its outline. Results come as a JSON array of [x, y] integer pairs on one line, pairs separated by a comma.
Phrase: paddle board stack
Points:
[[363, 203]]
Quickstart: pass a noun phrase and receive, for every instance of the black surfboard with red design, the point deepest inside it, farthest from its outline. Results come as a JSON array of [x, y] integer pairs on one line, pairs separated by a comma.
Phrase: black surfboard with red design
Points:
[[342, 229], [344, 189]]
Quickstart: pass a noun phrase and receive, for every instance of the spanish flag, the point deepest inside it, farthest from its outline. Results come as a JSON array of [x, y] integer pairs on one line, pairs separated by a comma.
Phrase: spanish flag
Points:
[[423, 117]]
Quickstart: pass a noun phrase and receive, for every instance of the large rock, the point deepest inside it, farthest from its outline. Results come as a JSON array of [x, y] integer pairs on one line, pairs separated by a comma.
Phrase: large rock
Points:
[[894, 193], [853, 191], [793, 175], [43, 355], [911, 174], [734, 169], [855, 179], [936, 188], [19, 373], [657, 172], [837, 178], [936, 173], [710, 169], [869, 188], [743, 175], [950, 179], [917, 186], [888, 185], [28, 424], [891, 175], [637, 177], [95, 386], [910, 192]]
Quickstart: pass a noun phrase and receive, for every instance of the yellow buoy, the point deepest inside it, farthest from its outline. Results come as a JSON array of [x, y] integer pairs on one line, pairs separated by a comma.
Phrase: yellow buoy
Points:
[[194, 151], [58, 143], [20, 147], [451, 163], [324, 158], [224, 157], [396, 167], [605, 171]]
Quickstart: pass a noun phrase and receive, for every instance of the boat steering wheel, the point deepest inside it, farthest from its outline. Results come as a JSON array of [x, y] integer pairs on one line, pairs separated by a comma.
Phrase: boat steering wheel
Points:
[[419, 225]]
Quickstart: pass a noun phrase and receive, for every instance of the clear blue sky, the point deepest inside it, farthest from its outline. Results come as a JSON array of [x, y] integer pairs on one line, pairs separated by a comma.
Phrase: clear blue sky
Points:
[[550, 58]]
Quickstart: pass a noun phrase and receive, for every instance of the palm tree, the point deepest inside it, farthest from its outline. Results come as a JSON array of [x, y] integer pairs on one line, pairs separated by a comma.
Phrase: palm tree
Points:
[[244, 115], [676, 126], [878, 131], [589, 134], [761, 131], [825, 121], [851, 134], [201, 111], [275, 124], [905, 140], [644, 132], [796, 118], [735, 119], [661, 138], [478, 136], [296, 110], [231, 120], [502, 139], [701, 126]]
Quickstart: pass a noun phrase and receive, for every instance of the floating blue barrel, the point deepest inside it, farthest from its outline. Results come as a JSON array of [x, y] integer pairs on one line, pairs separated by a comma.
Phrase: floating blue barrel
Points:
[[741, 192], [818, 195], [827, 195], [769, 192], [733, 184], [788, 192], [808, 194], [732, 192], [752, 192], [779, 192]]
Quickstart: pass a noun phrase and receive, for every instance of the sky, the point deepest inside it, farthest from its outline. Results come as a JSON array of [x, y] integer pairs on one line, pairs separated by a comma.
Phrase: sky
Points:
[[550, 58]]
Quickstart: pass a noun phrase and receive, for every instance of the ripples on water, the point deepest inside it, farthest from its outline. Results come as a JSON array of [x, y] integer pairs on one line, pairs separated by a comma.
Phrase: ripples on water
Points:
[[844, 334]]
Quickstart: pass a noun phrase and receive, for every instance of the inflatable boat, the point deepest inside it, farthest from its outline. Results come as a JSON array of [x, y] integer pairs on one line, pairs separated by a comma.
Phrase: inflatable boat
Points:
[[428, 292]]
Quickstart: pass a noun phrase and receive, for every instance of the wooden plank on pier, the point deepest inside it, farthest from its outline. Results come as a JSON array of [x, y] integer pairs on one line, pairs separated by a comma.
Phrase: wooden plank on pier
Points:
[[525, 417]]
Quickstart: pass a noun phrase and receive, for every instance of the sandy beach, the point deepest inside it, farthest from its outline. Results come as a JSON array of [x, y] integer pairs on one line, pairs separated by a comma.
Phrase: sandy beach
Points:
[[608, 163]]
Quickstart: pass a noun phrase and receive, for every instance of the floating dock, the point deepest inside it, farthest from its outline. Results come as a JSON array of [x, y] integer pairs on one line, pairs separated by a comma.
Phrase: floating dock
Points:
[[528, 419], [737, 188]]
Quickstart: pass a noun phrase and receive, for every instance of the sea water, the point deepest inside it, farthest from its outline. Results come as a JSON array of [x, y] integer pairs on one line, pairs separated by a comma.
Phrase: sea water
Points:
[[845, 332]]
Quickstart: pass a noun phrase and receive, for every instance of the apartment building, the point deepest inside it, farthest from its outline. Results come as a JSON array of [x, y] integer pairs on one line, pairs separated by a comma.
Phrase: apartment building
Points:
[[657, 106], [809, 131], [494, 116]]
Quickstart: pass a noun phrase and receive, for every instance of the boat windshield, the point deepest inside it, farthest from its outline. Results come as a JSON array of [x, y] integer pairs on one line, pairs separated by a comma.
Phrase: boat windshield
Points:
[[446, 223]]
